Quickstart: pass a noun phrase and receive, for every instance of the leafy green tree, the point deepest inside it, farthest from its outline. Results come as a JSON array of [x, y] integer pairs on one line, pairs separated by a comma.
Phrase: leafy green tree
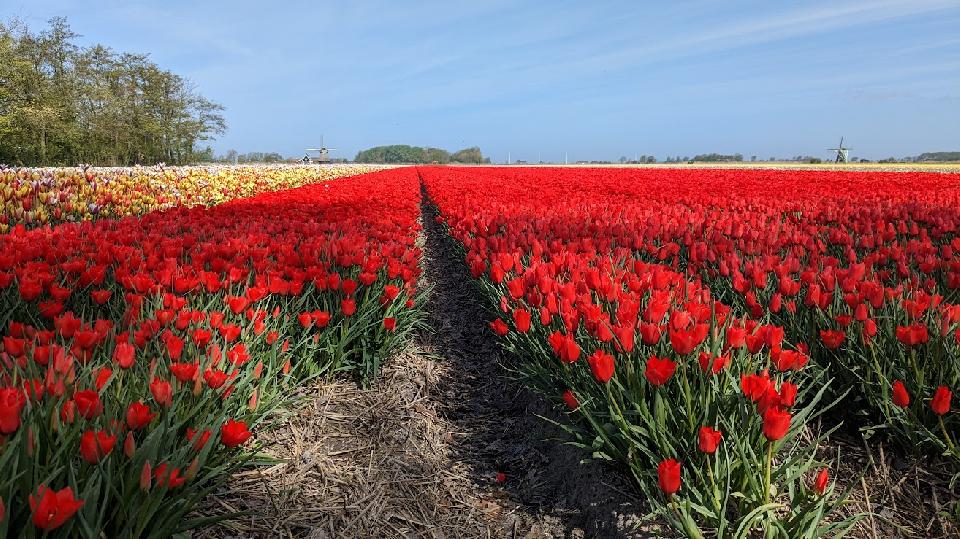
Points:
[[61, 104]]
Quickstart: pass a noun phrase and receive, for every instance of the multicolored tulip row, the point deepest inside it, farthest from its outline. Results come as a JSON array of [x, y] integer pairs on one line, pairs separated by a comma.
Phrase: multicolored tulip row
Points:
[[139, 357], [41, 196], [699, 325]]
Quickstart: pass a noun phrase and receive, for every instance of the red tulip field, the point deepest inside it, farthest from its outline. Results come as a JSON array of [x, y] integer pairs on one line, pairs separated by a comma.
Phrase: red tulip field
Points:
[[716, 338]]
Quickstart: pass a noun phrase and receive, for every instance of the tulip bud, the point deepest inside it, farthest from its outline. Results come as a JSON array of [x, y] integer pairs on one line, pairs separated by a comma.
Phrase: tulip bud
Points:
[[146, 478], [129, 445], [193, 468]]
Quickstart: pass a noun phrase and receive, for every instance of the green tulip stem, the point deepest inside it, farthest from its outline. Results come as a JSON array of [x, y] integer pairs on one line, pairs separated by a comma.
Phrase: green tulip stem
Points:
[[946, 435], [766, 476]]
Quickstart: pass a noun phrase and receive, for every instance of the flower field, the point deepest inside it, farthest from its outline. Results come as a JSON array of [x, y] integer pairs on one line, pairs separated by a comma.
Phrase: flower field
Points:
[[141, 355], [709, 329], [39, 196]]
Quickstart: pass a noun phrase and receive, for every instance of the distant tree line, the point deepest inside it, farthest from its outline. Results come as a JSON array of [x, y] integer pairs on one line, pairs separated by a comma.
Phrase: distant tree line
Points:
[[250, 157], [401, 153], [938, 156], [717, 158], [62, 104]]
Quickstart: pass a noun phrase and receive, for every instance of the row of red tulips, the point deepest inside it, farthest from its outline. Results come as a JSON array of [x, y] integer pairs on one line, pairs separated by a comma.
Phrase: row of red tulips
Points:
[[140, 357], [696, 322]]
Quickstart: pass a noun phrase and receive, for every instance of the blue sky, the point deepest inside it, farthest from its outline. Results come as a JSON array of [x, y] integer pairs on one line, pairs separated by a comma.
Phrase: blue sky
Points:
[[597, 79]]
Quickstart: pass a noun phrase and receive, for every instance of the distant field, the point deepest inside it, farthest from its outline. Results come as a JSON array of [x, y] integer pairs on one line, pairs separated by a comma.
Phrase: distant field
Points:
[[877, 167]]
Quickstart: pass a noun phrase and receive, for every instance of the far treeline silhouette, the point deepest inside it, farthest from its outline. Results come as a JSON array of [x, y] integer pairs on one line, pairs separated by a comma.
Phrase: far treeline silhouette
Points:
[[64, 104], [401, 153]]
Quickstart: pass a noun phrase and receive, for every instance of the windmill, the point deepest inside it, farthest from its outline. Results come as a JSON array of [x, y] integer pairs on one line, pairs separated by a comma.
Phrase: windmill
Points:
[[324, 154], [843, 154]]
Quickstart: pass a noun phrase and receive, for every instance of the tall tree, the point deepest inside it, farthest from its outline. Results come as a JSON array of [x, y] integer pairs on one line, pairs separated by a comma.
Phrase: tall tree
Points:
[[65, 104]]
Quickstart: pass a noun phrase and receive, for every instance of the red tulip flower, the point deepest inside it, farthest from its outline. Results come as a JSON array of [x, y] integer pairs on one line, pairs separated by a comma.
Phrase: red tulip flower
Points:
[[900, 396], [499, 327], [571, 400], [788, 394], [709, 439], [53, 509], [234, 433], [659, 371], [162, 392], [602, 366], [521, 319], [348, 306], [94, 446], [820, 483], [565, 347], [832, 338], [668, 476], [124, 354], [139, 416], [940, 404], [12, 401], [184, 372], [88, 403], [776, 423], [390, 323]]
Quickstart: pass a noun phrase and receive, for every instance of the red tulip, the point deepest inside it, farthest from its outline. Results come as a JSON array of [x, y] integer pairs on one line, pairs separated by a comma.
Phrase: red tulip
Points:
[[521, 319], [12, 401], [776, 423], [390, 323], [832, 338], [94, 446], [788, 394], [184, 372], [571, 400], [709, 439], [170, 480], [668, 476], [198, 441], [348, 306], [162, 392], [214, 378], [602, 366], [237, 304], [755, 386], [499, 327], [713, 364], [138, 415], [53, 509], [124, 354], [820, 483], [940, 404], [659, 371], [900, 396], [234, 433], [88, 403], [565, 347]]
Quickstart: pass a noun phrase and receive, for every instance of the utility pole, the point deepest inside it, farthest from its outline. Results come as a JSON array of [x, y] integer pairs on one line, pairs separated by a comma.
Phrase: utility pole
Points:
[[565, 160], [508, 158]]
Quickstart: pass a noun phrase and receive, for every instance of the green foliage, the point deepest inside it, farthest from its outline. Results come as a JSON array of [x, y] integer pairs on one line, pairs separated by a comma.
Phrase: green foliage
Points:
[[402, 153], [717, 158], [62, 104], [939, 156]]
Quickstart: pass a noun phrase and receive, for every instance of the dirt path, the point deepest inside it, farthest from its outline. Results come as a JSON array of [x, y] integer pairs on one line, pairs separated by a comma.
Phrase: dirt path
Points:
[[418, 454]]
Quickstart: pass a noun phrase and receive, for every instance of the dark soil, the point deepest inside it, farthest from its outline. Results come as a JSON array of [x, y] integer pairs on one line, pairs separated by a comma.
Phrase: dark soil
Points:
[[547, 492]]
